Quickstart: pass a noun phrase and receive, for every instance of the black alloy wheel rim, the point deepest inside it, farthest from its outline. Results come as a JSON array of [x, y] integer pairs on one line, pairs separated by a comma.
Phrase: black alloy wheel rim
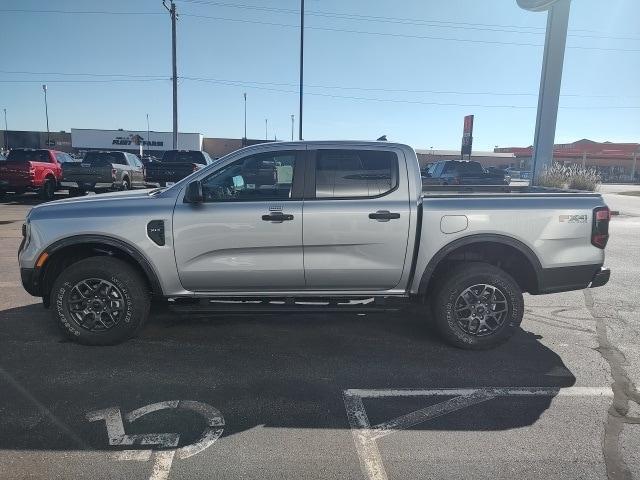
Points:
[[96, 305], [480, 310]]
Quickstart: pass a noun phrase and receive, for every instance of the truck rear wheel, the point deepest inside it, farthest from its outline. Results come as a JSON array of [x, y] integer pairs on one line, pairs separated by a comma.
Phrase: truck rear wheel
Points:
[[478, 306], [100, 301], [48, 189]]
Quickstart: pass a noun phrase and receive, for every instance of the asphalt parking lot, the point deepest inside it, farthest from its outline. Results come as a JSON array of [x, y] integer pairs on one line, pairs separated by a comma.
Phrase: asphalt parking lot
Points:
[[371, 396]]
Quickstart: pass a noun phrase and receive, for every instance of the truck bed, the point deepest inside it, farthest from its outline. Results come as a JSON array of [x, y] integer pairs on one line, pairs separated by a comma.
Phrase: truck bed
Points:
[[500, 190]]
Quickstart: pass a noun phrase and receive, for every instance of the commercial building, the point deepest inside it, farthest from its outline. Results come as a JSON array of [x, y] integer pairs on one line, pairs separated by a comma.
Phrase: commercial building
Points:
[[616, 162]]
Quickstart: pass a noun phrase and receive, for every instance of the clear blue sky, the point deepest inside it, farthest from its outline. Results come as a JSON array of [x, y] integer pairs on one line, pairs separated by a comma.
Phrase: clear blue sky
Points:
[[256, 51]]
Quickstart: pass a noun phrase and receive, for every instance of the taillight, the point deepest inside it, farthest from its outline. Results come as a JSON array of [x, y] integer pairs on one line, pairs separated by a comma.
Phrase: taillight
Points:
[[113, 173], [600, 228]]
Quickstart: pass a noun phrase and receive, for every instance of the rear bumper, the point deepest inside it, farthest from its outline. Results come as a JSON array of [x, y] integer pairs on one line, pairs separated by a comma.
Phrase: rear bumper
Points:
[[600, 278], [19, 183], [87, 185], [564, 279]]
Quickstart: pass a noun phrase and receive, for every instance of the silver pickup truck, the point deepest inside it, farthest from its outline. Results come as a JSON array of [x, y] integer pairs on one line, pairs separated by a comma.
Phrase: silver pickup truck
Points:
[[312, 225]]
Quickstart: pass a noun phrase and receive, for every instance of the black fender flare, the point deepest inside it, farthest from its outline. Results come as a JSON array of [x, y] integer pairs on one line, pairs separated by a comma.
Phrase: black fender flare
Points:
[[142, 261], [479, 238]]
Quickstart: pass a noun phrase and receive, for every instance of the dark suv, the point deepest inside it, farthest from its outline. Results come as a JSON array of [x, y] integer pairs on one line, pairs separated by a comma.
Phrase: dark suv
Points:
[[460, 172], [175, 165]]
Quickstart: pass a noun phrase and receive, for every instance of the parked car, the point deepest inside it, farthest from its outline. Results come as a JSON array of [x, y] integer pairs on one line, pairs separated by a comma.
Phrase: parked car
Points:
[[102, 171], [237, 230], [27, 169], [175, 165], [461, 172]]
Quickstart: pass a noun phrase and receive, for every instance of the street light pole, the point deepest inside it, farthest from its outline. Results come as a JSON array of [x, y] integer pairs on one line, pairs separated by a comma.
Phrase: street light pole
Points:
[[6, 131], [46, 111], [301, 65], [148, 135], [266, 129], [292, 123], [245, 116]]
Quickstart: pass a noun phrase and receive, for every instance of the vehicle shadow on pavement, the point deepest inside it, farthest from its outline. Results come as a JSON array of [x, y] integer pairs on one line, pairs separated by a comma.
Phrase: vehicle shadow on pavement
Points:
[[267, 370]]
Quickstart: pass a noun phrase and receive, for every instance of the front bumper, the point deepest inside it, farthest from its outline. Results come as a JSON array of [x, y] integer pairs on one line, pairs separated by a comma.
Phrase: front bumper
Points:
[[31, 280]]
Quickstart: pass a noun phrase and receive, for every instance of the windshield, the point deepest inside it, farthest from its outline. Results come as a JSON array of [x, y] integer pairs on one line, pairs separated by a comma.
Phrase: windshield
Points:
[[20, 156]]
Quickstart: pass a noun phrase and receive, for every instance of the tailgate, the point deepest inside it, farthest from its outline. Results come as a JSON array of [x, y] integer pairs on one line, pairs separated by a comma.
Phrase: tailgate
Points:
[[85, 173], [168, 172], [11, 173]]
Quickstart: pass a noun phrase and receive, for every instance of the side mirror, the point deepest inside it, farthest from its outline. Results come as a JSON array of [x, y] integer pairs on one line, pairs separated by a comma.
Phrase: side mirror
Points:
[[194, 194]]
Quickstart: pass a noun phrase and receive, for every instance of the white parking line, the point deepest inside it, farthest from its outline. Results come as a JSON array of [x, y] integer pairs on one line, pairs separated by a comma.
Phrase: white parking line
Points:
[[365, 435]]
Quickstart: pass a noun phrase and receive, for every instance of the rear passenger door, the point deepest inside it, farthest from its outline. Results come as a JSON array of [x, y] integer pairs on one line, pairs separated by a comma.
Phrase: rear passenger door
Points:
[[356, 219]]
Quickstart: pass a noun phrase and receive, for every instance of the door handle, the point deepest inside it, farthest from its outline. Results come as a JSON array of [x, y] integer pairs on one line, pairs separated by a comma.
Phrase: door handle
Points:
[[277, 217], [384, 215]]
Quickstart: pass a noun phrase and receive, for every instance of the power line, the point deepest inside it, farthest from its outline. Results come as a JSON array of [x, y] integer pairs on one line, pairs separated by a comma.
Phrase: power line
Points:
[[77, 12], [389, 100], [407, 21], [428, 23], [403, 35], [25, 72], [135, 77]]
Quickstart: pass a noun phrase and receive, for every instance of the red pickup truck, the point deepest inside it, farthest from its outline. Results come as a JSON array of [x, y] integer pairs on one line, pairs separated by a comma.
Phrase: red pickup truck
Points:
[[28, 169]]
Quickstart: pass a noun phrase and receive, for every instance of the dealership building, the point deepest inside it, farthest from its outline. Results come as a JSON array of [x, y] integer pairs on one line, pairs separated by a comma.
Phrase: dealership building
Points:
[[81, 140]]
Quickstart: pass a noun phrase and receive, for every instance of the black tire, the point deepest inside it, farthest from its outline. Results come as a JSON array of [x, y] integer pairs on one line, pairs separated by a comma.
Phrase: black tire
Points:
[[128, 291], [485, 329], [77, 192], [48, 189], [125, 184]]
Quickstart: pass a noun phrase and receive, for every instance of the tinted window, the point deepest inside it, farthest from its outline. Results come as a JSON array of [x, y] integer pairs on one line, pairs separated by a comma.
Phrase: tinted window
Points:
[[103, 159], [28, 156], [355, 173], [176, 156], [469, 168], [267, 176]]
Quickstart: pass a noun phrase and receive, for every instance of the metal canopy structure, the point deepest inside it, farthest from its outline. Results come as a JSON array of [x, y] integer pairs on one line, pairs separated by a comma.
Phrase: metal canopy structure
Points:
[[550, 78]]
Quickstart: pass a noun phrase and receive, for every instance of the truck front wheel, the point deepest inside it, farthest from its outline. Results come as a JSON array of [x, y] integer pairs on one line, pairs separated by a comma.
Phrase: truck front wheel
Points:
[[100, 301], [477, 306]]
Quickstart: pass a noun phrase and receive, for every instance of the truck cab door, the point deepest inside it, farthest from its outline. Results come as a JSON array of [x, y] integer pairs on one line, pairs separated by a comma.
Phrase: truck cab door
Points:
[[246, 236], [356, 219]]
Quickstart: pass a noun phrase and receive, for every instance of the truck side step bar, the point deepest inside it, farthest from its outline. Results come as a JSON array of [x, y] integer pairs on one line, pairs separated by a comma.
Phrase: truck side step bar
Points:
[[242, 305]]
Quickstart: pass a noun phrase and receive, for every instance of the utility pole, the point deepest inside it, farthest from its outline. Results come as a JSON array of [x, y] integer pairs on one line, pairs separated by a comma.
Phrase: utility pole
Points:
[[292, 123], [266, 129], [46, 112], [174, 15], [245, 118], [301, 65]]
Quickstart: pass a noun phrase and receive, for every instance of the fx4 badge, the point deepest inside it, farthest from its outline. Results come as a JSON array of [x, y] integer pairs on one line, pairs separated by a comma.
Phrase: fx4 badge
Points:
[[573, 218]]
